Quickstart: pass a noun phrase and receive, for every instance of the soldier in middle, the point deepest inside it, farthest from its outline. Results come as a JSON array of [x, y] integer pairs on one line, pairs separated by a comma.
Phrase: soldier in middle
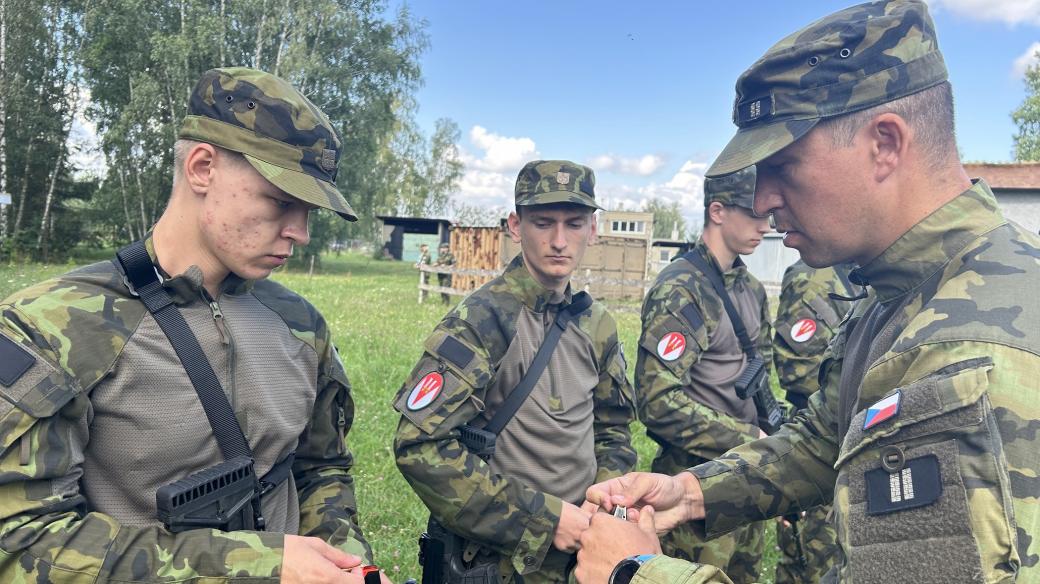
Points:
[[690, 357], [517, 509]]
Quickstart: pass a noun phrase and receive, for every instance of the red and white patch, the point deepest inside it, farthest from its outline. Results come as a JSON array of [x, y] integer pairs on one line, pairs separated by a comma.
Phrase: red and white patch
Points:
[[803, 330], [424, 392], [671, 347]]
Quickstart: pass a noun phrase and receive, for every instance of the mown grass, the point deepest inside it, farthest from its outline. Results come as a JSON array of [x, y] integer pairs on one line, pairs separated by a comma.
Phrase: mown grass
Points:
[[378, 326]]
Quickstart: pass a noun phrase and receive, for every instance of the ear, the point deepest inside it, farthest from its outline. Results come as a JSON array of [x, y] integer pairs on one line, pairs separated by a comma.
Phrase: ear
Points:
[[889, 138], [198, 167], [716, 212], [594, 218], [513, 225]]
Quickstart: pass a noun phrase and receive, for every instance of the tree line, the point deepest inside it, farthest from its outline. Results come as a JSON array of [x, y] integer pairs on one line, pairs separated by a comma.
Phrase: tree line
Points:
[[127, 67]]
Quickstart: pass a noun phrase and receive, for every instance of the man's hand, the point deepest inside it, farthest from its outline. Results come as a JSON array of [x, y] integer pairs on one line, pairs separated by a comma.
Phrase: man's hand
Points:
[[309, 560], [573, 521], [609, 540], [677, 499]]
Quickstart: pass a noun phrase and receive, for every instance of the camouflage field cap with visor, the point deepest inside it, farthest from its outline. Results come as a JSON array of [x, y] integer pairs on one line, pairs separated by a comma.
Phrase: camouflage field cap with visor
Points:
[[853, 59], [542, 182], [737, 188], [284, 136]]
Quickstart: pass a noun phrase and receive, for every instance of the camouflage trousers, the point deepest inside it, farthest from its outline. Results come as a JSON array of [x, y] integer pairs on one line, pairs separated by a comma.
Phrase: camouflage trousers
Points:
[[808, 549], [738, 553]]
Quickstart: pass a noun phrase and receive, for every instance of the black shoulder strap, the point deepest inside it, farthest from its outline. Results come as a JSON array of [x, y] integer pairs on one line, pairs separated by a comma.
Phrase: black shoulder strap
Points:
[[713, 275], [143, 281], [579, 303]]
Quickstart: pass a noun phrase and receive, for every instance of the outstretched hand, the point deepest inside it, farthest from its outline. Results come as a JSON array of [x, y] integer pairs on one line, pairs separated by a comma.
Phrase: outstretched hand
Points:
[[676, 499]]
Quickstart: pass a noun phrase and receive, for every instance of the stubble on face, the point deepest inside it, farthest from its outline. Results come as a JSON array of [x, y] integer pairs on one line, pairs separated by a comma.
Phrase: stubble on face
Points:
[[815, 191]]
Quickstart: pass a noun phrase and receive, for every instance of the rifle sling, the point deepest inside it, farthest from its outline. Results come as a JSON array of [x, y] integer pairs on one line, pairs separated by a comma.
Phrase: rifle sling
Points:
[[579, 303], [698, 261]]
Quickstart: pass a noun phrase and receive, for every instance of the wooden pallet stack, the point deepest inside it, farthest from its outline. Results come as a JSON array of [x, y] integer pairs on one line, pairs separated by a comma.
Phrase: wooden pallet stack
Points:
[[475, 248]]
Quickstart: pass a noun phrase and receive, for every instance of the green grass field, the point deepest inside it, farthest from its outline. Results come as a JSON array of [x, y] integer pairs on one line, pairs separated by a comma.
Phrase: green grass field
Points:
[[379, 328]]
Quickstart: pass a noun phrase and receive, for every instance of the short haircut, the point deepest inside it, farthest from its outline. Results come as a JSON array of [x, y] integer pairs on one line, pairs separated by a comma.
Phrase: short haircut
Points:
[[928, 112], [556, 207], [180, 151]]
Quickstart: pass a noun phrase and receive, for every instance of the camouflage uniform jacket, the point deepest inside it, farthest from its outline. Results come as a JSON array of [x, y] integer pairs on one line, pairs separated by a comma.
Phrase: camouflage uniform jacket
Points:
[[671, 378], [807, 317], [101, 413], [952, 322], [492, 335], [445, 259]]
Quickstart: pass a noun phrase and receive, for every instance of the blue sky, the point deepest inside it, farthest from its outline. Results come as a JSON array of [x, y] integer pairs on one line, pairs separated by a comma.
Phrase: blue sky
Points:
[[642, 91]]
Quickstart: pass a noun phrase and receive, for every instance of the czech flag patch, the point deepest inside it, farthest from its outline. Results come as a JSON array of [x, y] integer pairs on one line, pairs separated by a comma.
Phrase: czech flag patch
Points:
[[882, 410]]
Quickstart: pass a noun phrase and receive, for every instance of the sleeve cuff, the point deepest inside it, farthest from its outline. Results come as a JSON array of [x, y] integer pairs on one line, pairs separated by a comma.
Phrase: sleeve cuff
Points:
[[721, 484], [665, 570], [537, 538]]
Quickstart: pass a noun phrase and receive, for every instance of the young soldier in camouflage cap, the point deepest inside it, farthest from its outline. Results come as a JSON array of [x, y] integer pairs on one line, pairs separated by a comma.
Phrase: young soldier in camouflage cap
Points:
[[812, 304], [521, 508], [924, 430], [98, 412], [282, 135], [690, 358]]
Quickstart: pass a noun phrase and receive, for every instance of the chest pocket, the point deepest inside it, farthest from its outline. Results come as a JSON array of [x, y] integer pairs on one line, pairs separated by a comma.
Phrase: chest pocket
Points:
[[922, 471]]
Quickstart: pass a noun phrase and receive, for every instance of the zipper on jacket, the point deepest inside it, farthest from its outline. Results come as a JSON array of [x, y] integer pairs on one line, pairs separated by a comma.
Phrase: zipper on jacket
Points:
[[218, 319], [341, 429], [229, 342], [555, 398]]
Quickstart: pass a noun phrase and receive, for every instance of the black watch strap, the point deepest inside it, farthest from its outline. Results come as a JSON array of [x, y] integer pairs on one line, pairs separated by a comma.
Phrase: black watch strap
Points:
[[627, 568]]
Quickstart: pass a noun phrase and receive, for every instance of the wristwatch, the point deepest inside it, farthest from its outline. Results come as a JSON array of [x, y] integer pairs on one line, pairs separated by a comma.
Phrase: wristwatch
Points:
[[626, 569]]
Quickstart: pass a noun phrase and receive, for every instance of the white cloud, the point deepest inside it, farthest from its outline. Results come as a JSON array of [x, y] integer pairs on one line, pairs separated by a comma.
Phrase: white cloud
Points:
[[501, 153], [686, 187], [1026, 59], [645, 165], [488, 175], [1008, 11]]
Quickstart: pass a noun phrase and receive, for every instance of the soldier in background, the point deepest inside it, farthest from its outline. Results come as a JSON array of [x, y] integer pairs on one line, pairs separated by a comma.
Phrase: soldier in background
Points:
[[97, 412], [690, 358], [812, 304], [924, 432], [520, 509], [424, 255], [445, 259]]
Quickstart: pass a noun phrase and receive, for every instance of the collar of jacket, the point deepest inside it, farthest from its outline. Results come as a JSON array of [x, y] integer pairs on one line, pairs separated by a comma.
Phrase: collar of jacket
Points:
[[186, 287], [928, 246], [523, 285], [737, 272]]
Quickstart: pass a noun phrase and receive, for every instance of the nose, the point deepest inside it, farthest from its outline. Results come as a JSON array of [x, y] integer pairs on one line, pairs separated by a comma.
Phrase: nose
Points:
[[762, 223], [767, 195], [559, 237], [296, 226]]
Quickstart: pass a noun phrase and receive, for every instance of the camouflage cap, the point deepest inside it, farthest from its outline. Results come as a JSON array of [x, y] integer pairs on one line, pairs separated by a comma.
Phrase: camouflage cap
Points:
[[851, 60], [542, 182], [284, 136], [737, 188]]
